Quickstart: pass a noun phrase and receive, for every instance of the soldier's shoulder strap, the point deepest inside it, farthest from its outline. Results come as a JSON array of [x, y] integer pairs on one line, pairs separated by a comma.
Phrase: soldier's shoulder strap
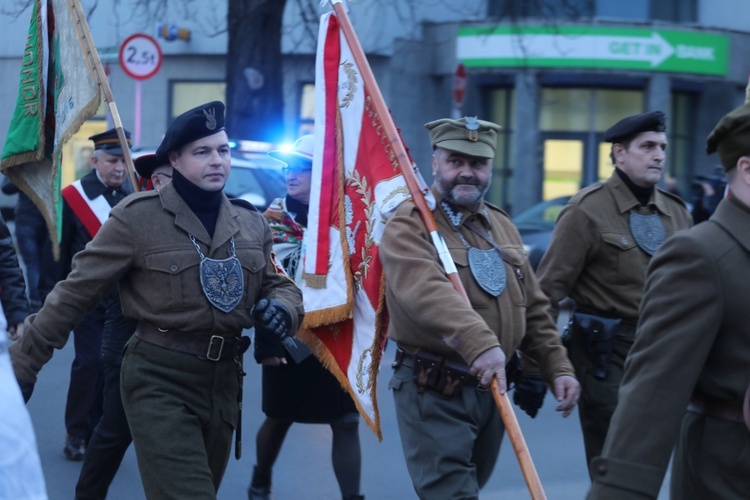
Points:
[[672, 196]]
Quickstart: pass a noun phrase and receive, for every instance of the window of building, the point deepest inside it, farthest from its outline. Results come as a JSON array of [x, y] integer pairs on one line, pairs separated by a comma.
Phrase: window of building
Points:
[[572, 123], [502, 110], [186, 95], [307, 109], [561, 9], [679, 157], [680, 11]]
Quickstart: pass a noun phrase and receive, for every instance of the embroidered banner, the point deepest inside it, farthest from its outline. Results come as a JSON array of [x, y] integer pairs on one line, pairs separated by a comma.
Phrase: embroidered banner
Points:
[[57, 93]]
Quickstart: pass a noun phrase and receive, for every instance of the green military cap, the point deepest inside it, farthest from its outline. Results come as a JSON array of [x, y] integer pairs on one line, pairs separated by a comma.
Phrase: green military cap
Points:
[[731, 137], [467, 135]]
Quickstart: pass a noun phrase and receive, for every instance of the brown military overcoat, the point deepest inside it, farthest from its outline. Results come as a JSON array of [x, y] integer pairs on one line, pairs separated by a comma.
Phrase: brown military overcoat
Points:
[[694, 336], [437, 319], [145, 247], [593, 257]]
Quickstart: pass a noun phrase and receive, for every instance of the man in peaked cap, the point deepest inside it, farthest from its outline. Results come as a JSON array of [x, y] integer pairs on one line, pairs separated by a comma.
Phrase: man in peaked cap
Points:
[[687, 374], [449, 350], [86, 205], [602, 242], [194, 276], [111, 437]]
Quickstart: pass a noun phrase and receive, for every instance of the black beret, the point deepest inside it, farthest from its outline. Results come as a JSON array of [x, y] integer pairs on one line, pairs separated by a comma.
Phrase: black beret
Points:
[[630, 126], [109, 142], [731, 137], [197, 123], [146, 164]]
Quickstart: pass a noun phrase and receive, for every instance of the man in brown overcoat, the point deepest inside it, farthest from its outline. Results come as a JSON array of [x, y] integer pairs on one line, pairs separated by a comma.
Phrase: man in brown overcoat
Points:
[[450, 349], [689, 368], [602, 243], [194, 269]]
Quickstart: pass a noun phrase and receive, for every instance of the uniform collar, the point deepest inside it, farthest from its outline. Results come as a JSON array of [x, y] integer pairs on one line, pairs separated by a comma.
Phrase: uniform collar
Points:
[[458, 215], [94, 187], [626, 200], [734, 217], [227, 224]]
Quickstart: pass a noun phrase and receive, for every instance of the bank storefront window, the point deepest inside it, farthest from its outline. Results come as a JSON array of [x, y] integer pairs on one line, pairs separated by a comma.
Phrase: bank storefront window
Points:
[[572, 123], [681, 142], [502, 105]]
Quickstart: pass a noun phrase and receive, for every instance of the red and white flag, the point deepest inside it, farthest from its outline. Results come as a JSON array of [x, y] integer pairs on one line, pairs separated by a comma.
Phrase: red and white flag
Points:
[[356, 185]]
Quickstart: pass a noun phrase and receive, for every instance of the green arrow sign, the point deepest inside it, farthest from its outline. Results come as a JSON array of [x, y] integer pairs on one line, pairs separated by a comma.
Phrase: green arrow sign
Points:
[[594, 47]]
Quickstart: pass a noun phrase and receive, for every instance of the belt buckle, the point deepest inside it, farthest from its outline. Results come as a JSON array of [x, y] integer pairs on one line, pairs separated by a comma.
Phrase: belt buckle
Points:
[[210, 346]]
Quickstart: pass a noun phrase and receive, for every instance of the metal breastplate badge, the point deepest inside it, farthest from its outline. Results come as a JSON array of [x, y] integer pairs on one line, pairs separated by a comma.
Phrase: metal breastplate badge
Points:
[[221, 280], [488, 270], [648, 231]]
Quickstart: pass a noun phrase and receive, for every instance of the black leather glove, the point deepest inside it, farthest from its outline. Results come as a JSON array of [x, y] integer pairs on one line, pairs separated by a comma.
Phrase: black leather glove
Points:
[[27, 388], [529, 393], [271, 315]]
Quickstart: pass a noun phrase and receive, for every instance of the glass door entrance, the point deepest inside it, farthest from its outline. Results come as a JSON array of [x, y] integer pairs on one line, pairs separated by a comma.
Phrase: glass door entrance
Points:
[[572, 125]]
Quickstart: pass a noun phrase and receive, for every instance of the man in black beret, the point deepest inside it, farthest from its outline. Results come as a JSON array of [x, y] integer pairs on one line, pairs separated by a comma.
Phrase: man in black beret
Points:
[[687, 375], [153, 171], [86, 205], [600, 248], [194, 269]]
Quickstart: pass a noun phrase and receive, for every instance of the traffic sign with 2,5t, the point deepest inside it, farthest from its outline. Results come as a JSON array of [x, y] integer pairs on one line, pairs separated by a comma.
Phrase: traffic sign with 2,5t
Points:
[[140, 56]]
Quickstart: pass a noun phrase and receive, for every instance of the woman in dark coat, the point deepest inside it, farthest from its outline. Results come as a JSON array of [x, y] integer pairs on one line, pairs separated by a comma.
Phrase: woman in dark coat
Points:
[[296, 386]]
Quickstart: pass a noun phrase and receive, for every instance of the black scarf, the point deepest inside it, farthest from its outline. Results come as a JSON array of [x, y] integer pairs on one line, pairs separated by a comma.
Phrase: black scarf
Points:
[[642, 194], [204, 204]]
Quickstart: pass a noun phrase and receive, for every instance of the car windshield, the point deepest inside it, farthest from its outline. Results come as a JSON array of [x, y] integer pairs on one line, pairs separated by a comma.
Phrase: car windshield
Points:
[[541, 216], [258, 177]]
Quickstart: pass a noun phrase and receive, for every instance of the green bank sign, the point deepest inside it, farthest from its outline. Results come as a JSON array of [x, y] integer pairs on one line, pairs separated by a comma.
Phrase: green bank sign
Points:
[[594, 47]]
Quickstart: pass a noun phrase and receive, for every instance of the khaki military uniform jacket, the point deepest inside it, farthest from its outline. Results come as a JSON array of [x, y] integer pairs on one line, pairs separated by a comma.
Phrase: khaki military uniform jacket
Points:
[[593, 257], [144, 246], [426, 312], [693, 336]]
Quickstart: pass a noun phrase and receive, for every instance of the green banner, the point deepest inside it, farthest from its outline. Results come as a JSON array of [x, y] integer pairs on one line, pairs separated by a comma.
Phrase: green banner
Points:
[[593, 47], [25, 141]]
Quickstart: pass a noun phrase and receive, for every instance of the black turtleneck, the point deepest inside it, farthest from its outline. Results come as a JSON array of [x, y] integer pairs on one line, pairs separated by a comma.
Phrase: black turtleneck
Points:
[[204, 204], [298, 209], [642, 194]]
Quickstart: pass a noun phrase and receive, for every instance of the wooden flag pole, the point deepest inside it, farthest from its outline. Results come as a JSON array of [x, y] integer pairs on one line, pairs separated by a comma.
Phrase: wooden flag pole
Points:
[[503, 403], [87, 42]]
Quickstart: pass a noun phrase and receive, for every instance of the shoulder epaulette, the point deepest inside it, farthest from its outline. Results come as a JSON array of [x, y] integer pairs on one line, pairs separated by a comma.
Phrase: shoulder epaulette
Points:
[[583, 193], [244, 204], [672, 196], [134, 198], [495, 208]]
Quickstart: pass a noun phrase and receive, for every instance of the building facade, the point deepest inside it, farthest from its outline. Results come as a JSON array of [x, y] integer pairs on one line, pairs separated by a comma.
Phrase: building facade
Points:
[[554, 73]]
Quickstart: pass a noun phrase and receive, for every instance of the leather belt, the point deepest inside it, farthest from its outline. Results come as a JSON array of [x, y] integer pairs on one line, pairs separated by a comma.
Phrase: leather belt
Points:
[[731, 411], [457, 371], [204, 346]]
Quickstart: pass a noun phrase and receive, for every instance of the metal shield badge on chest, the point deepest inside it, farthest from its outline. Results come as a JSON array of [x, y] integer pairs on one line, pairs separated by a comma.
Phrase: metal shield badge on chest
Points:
[[648, 231], [221, 280], [488, 270]]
